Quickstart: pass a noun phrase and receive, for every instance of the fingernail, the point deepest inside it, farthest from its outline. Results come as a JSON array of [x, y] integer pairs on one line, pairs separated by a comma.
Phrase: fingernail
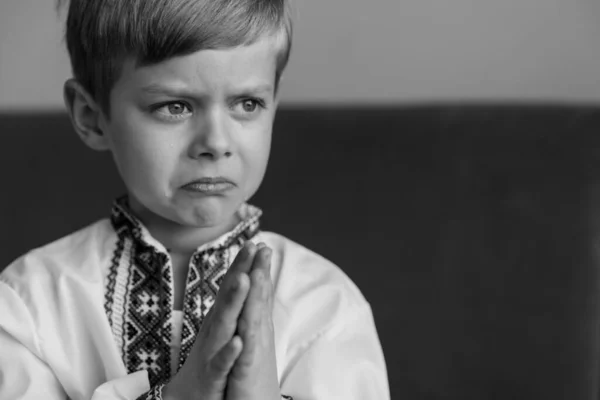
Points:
[[250, 249], [260, 245]]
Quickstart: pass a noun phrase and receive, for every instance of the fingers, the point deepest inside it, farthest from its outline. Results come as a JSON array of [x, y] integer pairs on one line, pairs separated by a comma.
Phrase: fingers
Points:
[[221, 325], [213, 380], [244, 259], [223, 361], [261, 278], [220, 352], [253, 314], [264, 264]]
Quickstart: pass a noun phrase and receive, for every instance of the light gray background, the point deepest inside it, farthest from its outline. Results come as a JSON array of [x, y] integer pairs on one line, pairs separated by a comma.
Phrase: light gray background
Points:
[[376, 51]]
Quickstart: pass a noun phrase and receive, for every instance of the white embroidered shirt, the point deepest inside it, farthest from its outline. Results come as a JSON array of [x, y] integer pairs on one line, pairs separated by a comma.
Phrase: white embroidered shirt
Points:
[[89, 317]]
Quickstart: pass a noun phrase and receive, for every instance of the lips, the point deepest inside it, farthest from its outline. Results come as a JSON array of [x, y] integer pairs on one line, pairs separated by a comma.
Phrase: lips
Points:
[[209, 185]]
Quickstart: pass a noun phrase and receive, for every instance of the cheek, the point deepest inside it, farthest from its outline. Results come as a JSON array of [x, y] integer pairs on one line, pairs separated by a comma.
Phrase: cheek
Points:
[[256, 155], [143, 161]]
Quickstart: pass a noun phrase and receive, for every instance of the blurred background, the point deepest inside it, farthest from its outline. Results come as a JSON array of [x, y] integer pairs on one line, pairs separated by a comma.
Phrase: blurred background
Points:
[[445, 154]]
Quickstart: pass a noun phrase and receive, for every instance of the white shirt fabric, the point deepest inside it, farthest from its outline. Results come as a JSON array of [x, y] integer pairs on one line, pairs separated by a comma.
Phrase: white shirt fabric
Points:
[[56, 341], [177, 319]]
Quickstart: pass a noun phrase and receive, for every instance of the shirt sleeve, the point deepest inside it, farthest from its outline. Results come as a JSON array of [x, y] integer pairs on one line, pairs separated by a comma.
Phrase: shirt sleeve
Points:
[[25, 375], [345, 362]]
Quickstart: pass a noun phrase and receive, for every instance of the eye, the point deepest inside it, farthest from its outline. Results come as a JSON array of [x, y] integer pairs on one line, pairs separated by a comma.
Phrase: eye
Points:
[[173, 110], [176, 108], [249, 105]]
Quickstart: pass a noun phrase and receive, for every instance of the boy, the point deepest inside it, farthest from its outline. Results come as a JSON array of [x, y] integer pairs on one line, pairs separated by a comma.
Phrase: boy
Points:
[[170, 298]]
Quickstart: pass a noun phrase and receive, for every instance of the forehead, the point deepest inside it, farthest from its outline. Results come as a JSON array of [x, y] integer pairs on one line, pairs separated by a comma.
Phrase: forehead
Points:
[[207, 70]]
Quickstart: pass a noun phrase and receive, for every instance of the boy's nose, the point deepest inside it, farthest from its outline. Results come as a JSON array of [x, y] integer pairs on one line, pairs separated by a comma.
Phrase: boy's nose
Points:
[[211, 139]]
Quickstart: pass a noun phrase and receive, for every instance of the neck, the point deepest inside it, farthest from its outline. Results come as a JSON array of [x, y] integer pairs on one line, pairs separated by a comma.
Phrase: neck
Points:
[[177, 238]]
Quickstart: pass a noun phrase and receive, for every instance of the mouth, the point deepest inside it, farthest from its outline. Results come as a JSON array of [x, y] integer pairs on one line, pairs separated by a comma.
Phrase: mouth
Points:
[[211, 185]]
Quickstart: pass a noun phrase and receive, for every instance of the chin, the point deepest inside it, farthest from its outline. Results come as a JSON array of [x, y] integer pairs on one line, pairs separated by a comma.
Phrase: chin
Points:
[[211, 213]]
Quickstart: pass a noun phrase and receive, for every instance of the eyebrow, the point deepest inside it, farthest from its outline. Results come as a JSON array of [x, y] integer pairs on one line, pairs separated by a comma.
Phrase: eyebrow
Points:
[[258, 89], [171, 91], [156, 88]]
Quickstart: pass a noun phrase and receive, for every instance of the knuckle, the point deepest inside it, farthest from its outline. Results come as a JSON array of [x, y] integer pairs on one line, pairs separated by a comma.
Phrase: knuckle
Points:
[[257, 275], [249, 325], [245, 361], [218, 364], [244, 364], [226, 293], [230, 295]]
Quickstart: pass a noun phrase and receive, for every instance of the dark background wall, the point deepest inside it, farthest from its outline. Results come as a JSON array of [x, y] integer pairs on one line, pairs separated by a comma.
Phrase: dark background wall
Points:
[[472, 230]]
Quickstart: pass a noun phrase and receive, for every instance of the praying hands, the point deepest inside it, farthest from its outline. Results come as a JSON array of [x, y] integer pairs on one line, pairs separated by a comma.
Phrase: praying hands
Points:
[[233, 357]]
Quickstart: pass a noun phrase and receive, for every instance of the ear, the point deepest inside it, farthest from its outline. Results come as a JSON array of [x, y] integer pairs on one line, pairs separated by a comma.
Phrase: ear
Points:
[[86, 115]]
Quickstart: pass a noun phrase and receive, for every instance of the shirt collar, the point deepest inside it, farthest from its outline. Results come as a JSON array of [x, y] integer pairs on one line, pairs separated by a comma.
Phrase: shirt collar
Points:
[[125, 223]]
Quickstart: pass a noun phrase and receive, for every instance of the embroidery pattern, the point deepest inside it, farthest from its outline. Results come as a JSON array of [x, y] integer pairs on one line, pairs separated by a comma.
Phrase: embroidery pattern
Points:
[[155, 393], [112, 279], [143, 331], [139, 291]]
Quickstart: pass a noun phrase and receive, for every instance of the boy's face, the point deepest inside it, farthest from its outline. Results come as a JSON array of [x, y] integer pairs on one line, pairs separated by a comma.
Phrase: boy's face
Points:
[[176, 124]]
